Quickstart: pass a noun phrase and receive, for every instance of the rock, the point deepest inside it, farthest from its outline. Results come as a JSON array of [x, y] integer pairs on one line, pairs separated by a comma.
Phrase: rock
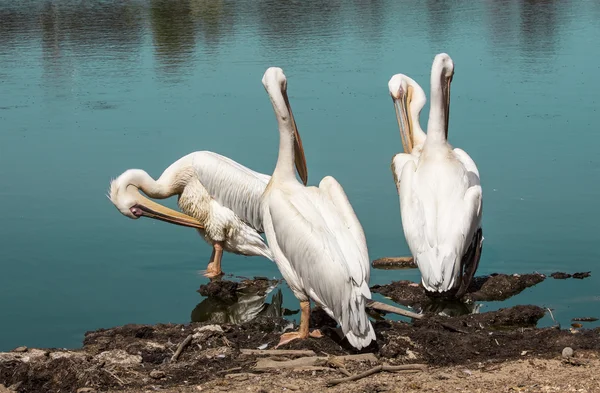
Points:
[[24, 357], [567, 352], [204, 332], [20, 349], [119, 356], [582, 275], [220, 353], [67, 355], [4, 389], [157, 374], [209, 328]]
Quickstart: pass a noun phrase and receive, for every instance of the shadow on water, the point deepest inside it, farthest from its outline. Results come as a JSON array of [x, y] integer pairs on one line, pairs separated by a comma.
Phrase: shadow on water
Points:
[[246, 305]]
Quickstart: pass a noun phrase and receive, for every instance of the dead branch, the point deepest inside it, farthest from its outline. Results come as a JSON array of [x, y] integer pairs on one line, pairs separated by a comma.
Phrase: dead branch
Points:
[[394, 263], [357, 358], [271, 363], [229, 370], [267, 364], [277, 352], [180, 348], [396, 310], [374, 370], [119, 380]]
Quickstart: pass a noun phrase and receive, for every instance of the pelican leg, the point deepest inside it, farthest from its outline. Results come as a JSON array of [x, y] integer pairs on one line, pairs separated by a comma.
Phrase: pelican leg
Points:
[[214, 266], [302, 332]]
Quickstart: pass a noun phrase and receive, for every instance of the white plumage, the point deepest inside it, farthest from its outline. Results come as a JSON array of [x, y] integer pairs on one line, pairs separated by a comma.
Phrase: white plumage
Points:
[[317, 241], [222, 195], [439, 189]]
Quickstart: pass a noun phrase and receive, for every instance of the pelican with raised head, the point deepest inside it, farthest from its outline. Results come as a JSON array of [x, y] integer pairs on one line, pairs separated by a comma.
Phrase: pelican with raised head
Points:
[[316, 239], [439, 189], [220, 198]]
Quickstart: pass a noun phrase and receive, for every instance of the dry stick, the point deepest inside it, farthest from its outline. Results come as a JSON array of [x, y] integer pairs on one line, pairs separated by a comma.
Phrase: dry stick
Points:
[[180, 348], [396, 310], [282, 352], [381, 367], [114, 376], [229, 370]]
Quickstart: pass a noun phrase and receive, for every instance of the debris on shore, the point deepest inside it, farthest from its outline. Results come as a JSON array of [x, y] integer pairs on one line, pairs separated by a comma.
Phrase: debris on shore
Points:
[[164, 355], [154, 357]]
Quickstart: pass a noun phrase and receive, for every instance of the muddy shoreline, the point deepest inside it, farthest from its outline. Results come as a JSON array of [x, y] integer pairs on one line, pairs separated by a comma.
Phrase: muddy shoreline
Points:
[[229, 342]]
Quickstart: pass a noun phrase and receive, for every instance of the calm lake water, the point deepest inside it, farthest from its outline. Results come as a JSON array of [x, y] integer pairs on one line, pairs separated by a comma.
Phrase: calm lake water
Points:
[[90, 89]]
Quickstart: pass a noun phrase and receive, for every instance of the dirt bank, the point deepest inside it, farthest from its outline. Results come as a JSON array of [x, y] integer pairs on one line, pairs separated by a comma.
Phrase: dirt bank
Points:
[[224, 349], [140, 356]]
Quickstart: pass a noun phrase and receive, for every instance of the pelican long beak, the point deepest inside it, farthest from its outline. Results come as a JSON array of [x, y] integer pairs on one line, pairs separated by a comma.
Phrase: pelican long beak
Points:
[[148, 208], [402, 107], [447, 93], [299, 157]]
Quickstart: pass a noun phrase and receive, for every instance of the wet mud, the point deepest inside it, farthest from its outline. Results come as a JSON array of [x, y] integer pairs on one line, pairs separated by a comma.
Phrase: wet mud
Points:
[[495, 287]]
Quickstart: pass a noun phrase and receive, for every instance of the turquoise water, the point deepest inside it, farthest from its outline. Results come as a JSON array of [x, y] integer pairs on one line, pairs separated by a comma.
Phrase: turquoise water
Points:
[[90, 89]]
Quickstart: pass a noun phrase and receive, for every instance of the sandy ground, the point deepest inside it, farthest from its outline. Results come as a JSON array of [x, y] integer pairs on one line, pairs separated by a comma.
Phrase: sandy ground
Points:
[[524, 375]]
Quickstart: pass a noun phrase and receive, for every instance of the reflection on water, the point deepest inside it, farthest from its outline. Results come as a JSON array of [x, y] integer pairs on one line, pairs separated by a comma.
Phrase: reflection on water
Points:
[[116, 29], [450, 308], [174, 34], [539, 29], [286, 26], [245, 307]]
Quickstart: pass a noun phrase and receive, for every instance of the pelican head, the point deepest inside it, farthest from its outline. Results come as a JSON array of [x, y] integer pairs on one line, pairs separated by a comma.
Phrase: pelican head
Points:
[[409, 99], [125, 195], [443, 68], [275, 84]]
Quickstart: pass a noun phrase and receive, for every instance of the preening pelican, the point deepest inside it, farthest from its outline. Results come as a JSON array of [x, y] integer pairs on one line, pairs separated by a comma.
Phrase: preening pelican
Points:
[[316, 239], [221, 196], [440, 192], [406, 93]]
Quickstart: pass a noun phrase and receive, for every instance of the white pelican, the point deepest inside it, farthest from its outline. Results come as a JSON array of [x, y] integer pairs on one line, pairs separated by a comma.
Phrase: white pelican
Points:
[[316, 239], [221, 195], [440, 192]]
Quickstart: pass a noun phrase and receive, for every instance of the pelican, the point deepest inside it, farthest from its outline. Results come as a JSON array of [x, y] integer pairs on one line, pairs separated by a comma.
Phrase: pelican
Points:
[[220, 198], [317, 241], [439, 189]]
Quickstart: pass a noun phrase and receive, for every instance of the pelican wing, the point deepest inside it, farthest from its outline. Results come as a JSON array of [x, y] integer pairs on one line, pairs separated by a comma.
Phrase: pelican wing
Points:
[[232, 185], [469, 164], [323, 254], [331, 188], [398, 163], [440, 213]]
